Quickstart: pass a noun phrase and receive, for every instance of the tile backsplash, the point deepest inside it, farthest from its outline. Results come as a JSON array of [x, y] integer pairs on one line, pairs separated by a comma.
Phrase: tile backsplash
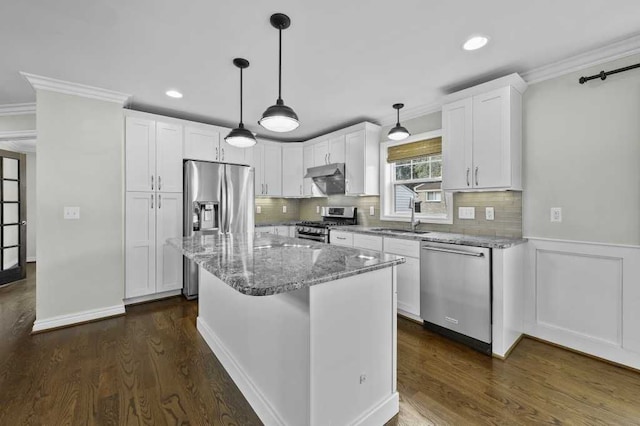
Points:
[[507, 212]]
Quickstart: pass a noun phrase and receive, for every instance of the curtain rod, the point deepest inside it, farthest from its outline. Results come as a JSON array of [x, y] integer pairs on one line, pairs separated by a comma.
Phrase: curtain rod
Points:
[[603, 74]]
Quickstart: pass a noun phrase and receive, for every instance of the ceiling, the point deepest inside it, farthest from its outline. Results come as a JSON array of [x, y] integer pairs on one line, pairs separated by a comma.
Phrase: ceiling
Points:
[[344, 61]]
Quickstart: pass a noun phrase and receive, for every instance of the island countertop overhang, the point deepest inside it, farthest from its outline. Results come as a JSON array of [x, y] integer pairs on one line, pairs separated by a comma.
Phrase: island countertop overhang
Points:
[[264, 264]]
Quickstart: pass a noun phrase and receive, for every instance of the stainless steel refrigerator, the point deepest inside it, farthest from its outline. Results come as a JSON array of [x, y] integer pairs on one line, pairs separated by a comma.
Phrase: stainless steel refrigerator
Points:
[[218, 199]]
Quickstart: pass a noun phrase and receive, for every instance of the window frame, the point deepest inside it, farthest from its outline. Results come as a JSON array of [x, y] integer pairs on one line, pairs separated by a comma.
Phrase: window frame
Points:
[[387, 186]]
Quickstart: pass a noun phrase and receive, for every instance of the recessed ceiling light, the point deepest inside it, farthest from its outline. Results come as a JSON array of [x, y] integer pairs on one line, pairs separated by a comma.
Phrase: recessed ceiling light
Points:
[[174, 94], [475, 42]]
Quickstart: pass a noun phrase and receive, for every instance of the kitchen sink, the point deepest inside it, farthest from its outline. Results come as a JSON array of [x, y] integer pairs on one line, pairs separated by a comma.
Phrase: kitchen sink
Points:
[[396, 230]]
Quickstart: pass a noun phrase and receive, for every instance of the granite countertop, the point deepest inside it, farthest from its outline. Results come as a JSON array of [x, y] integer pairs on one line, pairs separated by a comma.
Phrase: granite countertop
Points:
[[264, 264], [436, 237]]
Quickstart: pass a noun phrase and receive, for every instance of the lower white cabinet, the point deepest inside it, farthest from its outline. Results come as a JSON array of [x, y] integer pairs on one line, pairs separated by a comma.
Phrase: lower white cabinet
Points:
[[151, 265], [282, 230], [408, 273], [367, 242], [341, 238]]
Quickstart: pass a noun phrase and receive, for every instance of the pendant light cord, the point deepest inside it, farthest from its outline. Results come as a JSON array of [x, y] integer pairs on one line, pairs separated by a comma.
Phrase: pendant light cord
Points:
[[280, 64], [241, 124], [398, 120]]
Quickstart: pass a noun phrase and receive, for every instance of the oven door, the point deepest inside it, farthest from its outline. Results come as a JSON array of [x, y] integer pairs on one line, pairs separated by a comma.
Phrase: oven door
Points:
[[314, 237]]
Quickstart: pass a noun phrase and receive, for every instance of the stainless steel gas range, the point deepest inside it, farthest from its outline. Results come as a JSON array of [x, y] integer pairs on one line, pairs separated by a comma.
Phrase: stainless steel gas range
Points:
[[331, 216]]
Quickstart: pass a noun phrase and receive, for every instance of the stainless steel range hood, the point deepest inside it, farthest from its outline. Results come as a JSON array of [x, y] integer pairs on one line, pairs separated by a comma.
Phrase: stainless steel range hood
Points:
[[329, 178]]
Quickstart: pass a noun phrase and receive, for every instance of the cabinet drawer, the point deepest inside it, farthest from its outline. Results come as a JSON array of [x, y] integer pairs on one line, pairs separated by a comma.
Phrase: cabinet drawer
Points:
[[368, 242], [402, 247], [341, 238]]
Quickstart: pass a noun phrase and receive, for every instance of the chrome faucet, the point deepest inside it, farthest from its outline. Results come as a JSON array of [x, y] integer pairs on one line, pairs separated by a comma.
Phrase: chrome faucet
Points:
[[414, 222]]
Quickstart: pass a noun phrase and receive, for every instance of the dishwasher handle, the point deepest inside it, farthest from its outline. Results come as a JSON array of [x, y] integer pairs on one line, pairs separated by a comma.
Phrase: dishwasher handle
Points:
[[444, 250]]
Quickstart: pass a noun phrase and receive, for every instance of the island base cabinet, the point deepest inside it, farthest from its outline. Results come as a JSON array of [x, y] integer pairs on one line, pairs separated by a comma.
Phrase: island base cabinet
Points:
[[321, 355]]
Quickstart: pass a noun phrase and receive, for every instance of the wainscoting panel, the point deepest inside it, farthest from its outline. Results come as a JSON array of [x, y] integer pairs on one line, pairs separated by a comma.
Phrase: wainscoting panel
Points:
[[585, 296]]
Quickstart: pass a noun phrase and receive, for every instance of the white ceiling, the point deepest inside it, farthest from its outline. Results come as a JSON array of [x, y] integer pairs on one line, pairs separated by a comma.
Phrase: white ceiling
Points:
[[344, 61]]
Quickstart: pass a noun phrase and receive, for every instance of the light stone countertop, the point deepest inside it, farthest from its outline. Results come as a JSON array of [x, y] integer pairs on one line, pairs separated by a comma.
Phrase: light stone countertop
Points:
[[285, 223], [436, 237], [264, 264]]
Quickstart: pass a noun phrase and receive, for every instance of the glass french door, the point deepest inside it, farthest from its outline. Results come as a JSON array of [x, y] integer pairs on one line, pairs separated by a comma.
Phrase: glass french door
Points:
[[12, 217]]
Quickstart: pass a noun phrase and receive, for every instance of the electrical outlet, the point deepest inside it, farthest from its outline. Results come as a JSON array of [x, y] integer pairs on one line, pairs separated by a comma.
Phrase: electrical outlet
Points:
[[466, 212], [72, 213], [489, 213], [556, 214], [372, 211], [318, 209], [258, 209], [284, 209]]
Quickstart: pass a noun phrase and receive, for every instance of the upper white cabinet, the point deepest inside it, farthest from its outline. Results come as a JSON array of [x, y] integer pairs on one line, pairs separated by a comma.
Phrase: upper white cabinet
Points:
[[482, 139], [321, 153], [206, 143], [153, 155], [336, 152], [266, 158], [307, 161], [292, 170]]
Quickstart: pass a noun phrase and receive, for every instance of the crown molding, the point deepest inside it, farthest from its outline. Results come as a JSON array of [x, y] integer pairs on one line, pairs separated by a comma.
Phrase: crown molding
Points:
[[25, 146], [15, 135], [608, 53], [17, 109], [45, 83], [411, 113]]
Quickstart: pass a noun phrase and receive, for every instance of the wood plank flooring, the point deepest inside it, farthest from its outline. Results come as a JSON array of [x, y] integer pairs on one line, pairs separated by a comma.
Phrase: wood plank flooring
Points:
[[151, 367]]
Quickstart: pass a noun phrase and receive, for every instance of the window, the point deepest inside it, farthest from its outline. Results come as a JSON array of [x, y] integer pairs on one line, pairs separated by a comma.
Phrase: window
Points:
[[412, 170]]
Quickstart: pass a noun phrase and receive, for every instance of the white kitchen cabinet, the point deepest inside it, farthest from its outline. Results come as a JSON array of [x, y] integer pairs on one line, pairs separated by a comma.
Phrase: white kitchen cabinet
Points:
[[265, 229], [168, 225], [307, 162], [482, 141], [367, 242], [321, 153], [408, 274], [153, 155], [340, 238], [151, 265], [266, 159], [231, 154], [336, 152], [362, 161], [292, 170], [283, 231], [201, 143]]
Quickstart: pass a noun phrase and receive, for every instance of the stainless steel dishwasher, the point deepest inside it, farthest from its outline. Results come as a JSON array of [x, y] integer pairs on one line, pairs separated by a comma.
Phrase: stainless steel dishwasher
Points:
[[455, 292]]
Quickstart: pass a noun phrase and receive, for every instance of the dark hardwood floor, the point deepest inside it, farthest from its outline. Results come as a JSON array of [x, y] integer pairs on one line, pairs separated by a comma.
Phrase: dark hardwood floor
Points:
[[151, 367]]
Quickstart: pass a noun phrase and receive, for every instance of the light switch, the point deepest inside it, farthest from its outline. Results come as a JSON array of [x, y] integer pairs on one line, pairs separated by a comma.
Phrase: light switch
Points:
[[72, 213], [466, 212], [489, 213], [284, 209], [556, 214], [258, 209], [372, 211]]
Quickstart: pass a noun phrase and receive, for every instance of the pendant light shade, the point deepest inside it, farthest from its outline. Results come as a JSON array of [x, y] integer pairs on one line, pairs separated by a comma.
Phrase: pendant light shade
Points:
[[279, 117], [240, 137], [398, 133]]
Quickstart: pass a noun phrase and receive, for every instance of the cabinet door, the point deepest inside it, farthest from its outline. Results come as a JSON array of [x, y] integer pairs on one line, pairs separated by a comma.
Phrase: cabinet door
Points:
[[169, 157], [273, 170], [354, 163], [409, 286], [168, 225], [457, 142], [140, 244], [140, 154], [292, 170], [283, 231], [307, 161], [339, 238], [321, 153], [265, 229], [201, 144], [491, 139], [336, 149], [231, 154], [257, 160]]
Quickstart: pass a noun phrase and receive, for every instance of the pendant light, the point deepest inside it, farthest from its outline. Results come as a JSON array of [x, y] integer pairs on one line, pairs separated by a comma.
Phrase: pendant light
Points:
[[398, 133], [279, 117], [240, 137]]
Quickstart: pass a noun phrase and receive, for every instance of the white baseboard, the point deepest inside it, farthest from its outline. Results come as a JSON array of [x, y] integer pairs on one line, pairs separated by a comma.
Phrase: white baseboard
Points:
[[409, 315], [31, 259], [256, 399], [151, 297], [77, 318], [381, 413]]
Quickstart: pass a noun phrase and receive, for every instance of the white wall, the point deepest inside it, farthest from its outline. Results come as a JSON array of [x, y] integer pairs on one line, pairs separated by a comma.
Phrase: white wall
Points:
[[80, 163], [18, 122], [31, 207], [582, 153]]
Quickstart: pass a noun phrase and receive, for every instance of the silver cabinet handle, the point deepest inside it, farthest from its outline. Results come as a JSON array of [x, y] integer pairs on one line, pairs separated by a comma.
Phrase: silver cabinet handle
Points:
[[159, 183], [463, 253], [216, 152], [152, 201], [341, 238], [325, 159], [152, 182], [329, 157], [159, 201], [300, 189], [468, 170], [262, 190], [476, 175], [222, 150], [266, 185]]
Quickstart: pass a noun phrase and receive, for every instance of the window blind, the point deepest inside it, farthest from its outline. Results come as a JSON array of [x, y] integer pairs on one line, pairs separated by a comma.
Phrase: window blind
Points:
[[411, 150]]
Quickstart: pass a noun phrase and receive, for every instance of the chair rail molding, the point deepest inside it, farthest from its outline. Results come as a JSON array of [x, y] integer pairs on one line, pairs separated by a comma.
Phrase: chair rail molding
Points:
[[17, 109], [39, 82]]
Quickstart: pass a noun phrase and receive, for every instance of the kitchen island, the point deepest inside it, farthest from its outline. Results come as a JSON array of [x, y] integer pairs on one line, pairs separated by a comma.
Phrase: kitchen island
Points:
[[306, 330]]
